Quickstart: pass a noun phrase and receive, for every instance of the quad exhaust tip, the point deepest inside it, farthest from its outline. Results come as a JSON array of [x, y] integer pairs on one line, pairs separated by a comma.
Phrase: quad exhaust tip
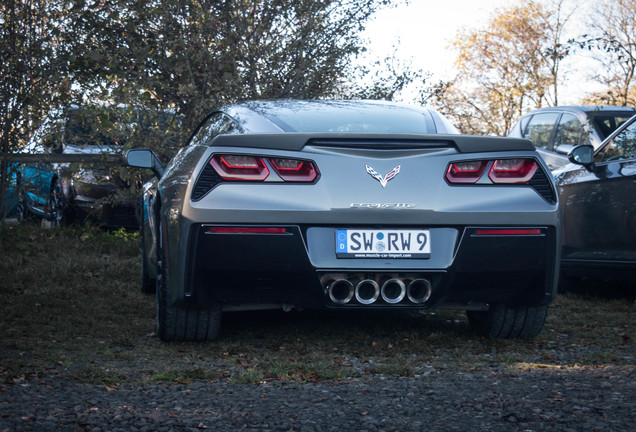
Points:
[[367, 291], [419, 291], [393, 291], [342, 289]]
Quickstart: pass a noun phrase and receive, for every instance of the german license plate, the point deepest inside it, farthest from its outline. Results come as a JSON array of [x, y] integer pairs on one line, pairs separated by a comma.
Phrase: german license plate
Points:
[[365, 243]]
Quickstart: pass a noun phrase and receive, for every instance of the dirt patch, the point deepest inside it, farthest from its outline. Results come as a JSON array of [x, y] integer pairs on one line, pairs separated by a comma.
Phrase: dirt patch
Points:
[[78, 352], [71, 307]]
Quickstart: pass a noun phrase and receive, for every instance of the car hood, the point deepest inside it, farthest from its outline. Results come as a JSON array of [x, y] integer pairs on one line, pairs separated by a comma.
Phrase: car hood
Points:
[[91, 149]]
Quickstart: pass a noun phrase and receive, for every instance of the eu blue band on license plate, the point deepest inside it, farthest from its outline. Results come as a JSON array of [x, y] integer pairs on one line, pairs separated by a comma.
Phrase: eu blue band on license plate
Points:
[[392, 244]]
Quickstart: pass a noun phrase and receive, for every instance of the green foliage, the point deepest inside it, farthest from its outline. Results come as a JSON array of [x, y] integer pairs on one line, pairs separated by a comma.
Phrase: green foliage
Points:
[[191, 56], [34, 66], [170, 61]]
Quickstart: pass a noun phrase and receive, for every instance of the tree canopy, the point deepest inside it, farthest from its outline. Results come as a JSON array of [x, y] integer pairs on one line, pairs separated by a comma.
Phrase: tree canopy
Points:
[[614, 48], [193, 55], [169, 57], [185, 56], [504, 68]]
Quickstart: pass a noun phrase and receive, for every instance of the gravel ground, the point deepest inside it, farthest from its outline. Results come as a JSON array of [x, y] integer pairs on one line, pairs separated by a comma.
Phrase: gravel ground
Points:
[[78, 354], [552, 399]]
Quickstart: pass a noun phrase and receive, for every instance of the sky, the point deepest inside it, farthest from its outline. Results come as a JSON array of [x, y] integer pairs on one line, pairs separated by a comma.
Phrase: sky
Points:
[[422, 31]]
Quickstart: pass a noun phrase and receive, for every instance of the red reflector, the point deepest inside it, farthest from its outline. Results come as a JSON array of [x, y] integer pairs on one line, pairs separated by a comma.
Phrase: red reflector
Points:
[[465, 172], [247, 230], [504, 232]]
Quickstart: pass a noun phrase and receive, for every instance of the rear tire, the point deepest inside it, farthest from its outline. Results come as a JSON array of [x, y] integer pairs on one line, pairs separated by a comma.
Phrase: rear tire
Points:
[[23, 213], [184, 323], [503, 321], [57, 206]]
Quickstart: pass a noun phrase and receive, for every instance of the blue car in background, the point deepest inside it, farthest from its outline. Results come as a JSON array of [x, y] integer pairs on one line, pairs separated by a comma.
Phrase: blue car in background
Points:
[[13, 199], [10, 198]]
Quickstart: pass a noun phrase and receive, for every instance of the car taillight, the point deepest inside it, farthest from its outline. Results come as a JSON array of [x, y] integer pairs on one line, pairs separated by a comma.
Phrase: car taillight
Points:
[[245, 167], [518, 170], [512, 170], [240, 167], [465, 172], [294, 170]]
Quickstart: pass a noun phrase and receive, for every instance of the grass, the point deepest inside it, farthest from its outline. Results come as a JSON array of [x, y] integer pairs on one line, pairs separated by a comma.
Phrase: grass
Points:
[[70, 306]]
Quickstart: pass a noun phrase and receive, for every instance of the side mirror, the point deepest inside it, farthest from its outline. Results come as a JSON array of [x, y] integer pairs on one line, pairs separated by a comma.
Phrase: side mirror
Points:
[[145, 158], [582, 155]]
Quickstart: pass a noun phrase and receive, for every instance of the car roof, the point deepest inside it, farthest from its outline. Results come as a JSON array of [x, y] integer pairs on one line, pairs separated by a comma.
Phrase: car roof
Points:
[[300, 115], [270, 106], [582, 108]]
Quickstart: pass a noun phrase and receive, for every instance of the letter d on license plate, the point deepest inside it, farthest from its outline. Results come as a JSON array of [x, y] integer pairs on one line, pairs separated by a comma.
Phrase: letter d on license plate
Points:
[[398, 244]]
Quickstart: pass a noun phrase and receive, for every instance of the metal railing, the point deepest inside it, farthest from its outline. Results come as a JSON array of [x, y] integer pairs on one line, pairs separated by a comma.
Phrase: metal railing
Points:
[[62, 158]]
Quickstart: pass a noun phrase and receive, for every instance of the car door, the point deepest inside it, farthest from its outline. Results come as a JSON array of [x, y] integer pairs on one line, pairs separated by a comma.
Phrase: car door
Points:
[[599, 205], [38, 176], [570, 132]]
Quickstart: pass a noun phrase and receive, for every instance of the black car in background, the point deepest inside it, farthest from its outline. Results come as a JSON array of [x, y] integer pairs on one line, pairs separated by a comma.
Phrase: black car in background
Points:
[[598, 207], [556, 130]]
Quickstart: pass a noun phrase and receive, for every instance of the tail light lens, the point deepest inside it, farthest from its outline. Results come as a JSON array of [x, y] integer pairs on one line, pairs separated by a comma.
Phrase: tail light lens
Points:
[[512, 170], [294, 170], [254, 168], [240, 167], [466, 172], [501, 170]]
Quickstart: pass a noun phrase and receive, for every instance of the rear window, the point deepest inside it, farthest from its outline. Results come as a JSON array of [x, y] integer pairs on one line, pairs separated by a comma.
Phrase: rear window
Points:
[[606, 123], [348, 117]]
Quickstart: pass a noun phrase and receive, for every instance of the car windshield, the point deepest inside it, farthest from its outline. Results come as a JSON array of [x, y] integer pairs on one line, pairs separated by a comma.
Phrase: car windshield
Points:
[[607, 122], [97, 126], [322, 116]]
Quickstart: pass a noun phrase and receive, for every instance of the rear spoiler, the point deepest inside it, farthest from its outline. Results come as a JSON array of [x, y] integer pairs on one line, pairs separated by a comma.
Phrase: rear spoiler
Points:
[[298, 140]]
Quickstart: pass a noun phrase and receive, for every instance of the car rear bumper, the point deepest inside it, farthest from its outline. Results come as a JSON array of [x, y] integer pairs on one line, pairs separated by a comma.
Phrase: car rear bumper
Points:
[[298, 267]]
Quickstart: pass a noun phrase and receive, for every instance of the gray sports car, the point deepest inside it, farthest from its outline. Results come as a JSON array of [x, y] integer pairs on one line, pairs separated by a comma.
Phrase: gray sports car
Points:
[[347, 205]]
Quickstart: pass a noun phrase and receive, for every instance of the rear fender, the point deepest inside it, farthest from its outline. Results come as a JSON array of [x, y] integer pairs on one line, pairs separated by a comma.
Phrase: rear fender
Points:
[[150, 226]]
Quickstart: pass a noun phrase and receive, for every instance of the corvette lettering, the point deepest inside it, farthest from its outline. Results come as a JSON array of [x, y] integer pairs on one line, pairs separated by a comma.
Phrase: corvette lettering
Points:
[[383, 205]]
